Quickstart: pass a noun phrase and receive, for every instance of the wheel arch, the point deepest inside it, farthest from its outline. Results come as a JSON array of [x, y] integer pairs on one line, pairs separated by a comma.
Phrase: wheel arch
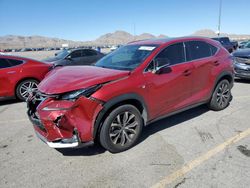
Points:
[[224, 75], [130, 98]]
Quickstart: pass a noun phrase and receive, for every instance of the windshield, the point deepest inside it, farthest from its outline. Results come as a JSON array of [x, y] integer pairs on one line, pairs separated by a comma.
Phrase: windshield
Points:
[[247, 45], [62, 54], [126, 57]]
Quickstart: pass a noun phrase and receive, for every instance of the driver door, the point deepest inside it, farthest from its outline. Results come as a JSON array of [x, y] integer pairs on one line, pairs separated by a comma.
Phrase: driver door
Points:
[[170, 90], [75, 57]]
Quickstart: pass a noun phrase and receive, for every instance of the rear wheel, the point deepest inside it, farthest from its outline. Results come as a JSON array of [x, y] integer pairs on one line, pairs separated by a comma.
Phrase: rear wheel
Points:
[[221, 96], [121, 129], [25, 88]]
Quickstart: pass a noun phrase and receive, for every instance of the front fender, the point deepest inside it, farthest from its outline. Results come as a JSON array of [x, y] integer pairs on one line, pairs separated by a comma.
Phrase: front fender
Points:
[[115, 101]]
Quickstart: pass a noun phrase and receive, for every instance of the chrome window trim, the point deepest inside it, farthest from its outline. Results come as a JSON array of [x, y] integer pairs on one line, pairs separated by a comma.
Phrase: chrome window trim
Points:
[[185, 53]]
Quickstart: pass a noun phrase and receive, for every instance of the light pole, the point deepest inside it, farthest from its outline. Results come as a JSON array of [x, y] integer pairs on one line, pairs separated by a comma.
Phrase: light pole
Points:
[[219, 21], [134, 31]]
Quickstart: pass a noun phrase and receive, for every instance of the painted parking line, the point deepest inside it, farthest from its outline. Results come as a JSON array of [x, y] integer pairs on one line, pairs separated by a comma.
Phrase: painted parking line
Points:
[[14, 121], [198, 161]]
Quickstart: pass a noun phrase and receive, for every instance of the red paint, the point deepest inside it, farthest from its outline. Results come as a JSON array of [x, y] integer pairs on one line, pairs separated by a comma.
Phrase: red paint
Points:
[[162, 93], [80, 114], [11, 76], [77, 77]]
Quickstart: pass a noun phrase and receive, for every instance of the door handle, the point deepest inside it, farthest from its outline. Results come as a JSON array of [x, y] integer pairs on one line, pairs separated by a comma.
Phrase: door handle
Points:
[[11, 72], [187, 72], [216, 63]]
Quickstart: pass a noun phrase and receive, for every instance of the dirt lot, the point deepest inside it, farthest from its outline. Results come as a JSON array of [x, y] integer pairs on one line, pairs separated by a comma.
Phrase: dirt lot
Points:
[[196, 148]]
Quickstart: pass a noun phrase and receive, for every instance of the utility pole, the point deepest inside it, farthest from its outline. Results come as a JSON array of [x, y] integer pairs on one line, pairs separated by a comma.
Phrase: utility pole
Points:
[[134, 31], [219, 21]]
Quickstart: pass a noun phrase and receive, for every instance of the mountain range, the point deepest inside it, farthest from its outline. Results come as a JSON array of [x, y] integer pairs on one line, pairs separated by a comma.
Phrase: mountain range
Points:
[[118, 37]]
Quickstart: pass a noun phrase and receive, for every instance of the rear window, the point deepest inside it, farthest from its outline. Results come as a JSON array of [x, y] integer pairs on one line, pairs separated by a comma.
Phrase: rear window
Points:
[[197, 50], [4, 63], [15, 62]]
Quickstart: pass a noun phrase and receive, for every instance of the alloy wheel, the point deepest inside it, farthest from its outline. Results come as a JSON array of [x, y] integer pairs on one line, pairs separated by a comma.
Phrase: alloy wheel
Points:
[[223, 95], [27, 88], [123, 129]]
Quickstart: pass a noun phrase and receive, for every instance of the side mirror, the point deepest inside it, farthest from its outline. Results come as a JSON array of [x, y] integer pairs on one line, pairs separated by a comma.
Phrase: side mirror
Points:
[[161, 66], [68, 57]]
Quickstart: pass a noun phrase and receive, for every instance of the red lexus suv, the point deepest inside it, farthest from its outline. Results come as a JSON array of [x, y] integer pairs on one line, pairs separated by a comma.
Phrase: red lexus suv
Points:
[[128, 89], [19, 76]]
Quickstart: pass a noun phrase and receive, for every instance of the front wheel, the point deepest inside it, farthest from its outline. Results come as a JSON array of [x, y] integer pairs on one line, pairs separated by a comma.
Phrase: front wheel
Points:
[[25, 88], [121, 129], [221, 96]]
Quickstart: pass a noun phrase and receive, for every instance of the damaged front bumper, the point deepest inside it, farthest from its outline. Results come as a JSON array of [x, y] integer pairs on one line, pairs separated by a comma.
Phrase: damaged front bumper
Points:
[[62, 123], [73, 142]]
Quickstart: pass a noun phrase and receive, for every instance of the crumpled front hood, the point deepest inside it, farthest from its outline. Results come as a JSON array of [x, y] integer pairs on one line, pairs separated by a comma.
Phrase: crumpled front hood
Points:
[[70, 78]]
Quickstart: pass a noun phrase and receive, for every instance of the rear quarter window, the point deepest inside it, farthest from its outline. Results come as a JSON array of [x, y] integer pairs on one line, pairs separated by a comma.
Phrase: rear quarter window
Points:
[[213, 49], [4, 63], [15, 62]]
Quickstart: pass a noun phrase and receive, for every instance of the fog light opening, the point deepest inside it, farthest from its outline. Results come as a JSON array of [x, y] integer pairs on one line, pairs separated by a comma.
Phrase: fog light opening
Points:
[[58, 120]]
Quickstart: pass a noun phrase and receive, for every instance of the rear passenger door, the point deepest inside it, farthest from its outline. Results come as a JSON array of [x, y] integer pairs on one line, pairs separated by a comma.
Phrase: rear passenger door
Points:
[[201, 54]]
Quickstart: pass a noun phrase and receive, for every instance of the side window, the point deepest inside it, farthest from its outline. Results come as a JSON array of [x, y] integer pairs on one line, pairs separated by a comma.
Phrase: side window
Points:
[[172, 54], [197, 50], [150, 67], [4, 63], [76, 54], [90, 52], [14, 62]]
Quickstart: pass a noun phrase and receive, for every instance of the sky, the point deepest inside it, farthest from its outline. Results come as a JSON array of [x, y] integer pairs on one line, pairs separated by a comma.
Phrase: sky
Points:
[[83, 20]]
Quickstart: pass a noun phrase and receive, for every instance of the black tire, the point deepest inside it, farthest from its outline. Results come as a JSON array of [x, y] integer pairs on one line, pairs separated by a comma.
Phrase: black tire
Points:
[[116, 134], [221, 96], [24, 85]]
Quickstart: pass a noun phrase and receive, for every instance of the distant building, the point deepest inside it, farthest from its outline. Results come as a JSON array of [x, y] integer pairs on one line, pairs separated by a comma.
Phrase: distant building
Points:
[[65, 45]]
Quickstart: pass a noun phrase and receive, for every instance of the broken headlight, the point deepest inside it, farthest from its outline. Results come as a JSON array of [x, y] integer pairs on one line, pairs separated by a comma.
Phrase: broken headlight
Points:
[[82, 92]]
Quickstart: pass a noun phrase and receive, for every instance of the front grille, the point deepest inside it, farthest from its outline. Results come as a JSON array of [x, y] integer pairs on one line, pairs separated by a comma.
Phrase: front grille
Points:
[[240, 71], [242, 60], [33, 117]]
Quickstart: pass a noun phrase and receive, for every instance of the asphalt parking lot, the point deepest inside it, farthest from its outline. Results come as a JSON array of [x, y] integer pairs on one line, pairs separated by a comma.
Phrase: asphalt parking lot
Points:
[[196, 148]]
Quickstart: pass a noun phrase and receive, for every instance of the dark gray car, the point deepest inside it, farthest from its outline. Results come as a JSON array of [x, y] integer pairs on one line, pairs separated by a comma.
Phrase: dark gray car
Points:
[[242, 63], [75, 57]]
